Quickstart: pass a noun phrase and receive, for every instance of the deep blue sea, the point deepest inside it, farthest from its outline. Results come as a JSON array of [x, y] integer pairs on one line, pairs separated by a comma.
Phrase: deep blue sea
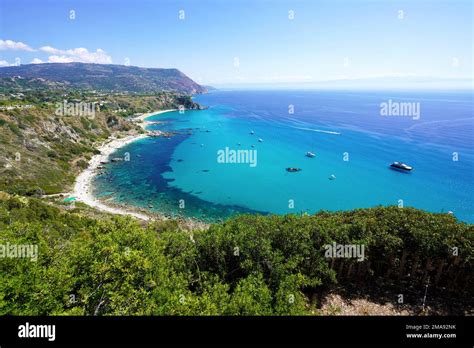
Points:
[[353, 142]]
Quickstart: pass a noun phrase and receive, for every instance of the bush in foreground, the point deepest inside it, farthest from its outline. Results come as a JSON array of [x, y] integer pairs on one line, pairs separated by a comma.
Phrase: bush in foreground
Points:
[[249, 265]]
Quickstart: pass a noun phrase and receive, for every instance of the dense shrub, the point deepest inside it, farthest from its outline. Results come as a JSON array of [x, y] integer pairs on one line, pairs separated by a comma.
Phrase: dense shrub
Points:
[[249, 265]]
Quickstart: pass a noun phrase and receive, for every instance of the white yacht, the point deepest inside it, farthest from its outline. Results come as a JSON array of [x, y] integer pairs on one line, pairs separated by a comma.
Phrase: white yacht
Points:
[[401, 166]]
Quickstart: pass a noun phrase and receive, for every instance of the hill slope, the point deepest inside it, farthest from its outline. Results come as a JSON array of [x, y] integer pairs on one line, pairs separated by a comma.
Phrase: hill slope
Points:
[[117, 267], [42, 150], [108, 77]]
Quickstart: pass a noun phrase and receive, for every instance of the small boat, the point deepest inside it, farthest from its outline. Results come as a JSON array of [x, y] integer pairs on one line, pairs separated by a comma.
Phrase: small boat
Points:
[[332, 177], [310, 154], [260, 140], [293, 170], [252, 132], [401, 167], [238, 144], [253, 145]]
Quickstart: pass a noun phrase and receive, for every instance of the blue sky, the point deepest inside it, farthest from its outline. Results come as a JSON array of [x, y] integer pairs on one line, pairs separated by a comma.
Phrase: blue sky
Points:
[[248, 41]]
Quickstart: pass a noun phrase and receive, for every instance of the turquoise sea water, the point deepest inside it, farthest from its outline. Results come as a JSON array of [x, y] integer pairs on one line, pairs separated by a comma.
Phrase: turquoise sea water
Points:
[[350, 137]]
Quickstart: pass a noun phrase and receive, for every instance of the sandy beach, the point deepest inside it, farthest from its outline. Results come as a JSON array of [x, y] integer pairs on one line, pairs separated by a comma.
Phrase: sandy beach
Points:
[[83, 185], [142, 117]]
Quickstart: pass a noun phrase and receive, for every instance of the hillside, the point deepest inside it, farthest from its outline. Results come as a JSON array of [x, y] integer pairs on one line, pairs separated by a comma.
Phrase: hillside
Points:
[[43, 151], [101, 77], [250, 265]]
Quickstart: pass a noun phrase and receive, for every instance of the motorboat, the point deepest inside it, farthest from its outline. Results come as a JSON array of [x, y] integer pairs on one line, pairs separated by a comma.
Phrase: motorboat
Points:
[[401, 167], [310, 154], [293, 170]]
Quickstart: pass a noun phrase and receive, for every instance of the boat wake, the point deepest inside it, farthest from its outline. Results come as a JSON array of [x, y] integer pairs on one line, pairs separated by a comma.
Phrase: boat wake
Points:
[[318, 130]]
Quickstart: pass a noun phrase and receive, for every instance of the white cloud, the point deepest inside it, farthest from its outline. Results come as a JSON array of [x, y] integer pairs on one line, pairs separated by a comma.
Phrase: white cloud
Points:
[[4, 63], [51, 50], [77, 55], [57, 55], [13, 45]]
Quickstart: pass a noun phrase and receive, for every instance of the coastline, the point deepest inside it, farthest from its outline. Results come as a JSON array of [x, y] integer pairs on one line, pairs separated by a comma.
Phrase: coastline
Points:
[[83, 186], [82, 190], [141, 119]]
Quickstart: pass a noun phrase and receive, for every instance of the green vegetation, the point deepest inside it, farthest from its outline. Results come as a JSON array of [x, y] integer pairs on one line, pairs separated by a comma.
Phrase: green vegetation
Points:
[[252, 265]]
